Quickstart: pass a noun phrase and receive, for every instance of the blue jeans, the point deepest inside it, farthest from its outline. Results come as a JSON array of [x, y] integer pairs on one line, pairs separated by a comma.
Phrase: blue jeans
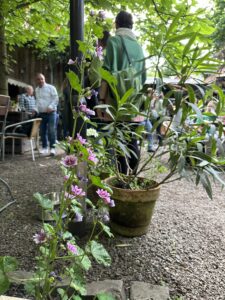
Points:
[[48, 129], [148, 127]]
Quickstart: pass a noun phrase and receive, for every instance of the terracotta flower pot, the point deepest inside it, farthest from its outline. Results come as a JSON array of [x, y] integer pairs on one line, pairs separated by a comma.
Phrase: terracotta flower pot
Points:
[[133, 209]]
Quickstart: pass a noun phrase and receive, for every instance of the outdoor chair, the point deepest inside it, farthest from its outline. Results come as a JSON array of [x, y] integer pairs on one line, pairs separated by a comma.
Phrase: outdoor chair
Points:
[[4, 108], [10, 133]]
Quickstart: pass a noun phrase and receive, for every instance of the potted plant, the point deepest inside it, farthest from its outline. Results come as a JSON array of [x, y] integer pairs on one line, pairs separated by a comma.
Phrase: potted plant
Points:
[[182, 150]]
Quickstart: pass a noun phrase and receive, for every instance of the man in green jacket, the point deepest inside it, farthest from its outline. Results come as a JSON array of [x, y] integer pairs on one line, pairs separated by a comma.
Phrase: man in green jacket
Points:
[[116, 58], [123, 50]]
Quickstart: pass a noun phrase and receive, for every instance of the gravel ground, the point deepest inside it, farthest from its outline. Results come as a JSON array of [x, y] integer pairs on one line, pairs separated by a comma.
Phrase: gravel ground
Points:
[[184, 248]]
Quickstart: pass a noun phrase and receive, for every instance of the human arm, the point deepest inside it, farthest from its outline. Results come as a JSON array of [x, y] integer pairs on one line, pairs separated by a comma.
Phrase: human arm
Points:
[[54, 100]]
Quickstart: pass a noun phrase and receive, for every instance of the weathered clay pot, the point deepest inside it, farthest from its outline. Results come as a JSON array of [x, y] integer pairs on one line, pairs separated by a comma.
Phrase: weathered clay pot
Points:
[[133, 209]]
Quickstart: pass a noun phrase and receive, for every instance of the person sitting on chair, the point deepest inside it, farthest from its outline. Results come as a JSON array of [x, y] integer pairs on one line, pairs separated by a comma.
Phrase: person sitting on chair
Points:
[[27, 101]]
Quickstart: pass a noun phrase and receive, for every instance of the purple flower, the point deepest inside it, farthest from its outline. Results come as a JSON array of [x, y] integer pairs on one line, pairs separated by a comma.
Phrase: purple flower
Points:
[[112, 203], [92, 156], [90, 112], [40, 237], [54, 275], [94, 93], [106, 218], [72, 248], [69, 161], [92, 13], [71, 62], [76, 191], [104, 195], [99, 52], [83, 108], [78, 217], [69, 196], [101, 15], [81, 177], [66, 177], [80, 139]]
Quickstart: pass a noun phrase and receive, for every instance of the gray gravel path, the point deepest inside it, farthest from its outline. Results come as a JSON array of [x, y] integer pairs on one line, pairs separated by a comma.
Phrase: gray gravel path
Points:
[[184, 248]]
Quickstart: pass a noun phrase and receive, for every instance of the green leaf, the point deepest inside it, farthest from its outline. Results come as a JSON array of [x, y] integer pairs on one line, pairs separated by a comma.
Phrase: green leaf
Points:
[[196, 109], [85, 262], [4, 283], [206, 184], [74, 81], [105, 296], [8, 263], [30, 287], [44, 202], [173, 24], [180, 37], [126, 96], [100, 254], [189, 44], [63, 294], [106, 229], [79, 285], [191, 93]]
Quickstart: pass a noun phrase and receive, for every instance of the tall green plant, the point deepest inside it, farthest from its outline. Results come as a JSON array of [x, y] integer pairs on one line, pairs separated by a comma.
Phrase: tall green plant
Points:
[[61, 255], [183, 147]]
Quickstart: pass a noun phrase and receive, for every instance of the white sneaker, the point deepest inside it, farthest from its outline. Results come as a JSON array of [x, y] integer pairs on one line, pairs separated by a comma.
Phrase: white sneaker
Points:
[[44, 151], [52, 151]]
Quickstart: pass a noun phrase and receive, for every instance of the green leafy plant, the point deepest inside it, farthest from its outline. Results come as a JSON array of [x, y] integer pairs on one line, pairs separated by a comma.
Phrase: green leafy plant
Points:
[[182, 151]]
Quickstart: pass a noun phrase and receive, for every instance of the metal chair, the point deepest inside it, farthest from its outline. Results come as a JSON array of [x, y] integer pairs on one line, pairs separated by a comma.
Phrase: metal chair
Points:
[[33, 135], [4, 108]]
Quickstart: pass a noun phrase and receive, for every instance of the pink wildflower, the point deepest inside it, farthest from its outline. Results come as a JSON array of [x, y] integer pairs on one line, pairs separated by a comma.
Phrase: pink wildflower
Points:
[[66, 177], [102, 14], [112, 203], [99, 52], [40, 237], [80, 139], [76, 191], [69, 161], [104, 195], [92, 13], [78, 217], [92, 156], [71, 62], [72, 248], [83, 108], [69, 196]]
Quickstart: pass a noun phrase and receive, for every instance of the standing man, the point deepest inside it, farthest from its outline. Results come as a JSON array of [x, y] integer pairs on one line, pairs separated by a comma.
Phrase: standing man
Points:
[[122, 50], [47, 101]]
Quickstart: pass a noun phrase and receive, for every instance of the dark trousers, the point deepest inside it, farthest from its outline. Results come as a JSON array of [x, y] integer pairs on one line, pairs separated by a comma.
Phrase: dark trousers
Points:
[[48, 129]]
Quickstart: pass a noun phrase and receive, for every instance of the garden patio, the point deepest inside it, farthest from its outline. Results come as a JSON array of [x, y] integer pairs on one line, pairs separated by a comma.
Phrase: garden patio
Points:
[[183, 249]]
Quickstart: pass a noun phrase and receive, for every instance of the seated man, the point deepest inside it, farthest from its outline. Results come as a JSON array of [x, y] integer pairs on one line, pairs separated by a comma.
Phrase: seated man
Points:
[[27, 101]]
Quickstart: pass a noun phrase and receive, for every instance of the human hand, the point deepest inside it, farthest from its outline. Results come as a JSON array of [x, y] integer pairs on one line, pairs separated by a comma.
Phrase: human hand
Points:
[[49, 110]]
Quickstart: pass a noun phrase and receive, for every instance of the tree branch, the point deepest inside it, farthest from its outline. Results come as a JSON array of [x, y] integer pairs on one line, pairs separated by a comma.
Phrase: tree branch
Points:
[[25, 4]]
